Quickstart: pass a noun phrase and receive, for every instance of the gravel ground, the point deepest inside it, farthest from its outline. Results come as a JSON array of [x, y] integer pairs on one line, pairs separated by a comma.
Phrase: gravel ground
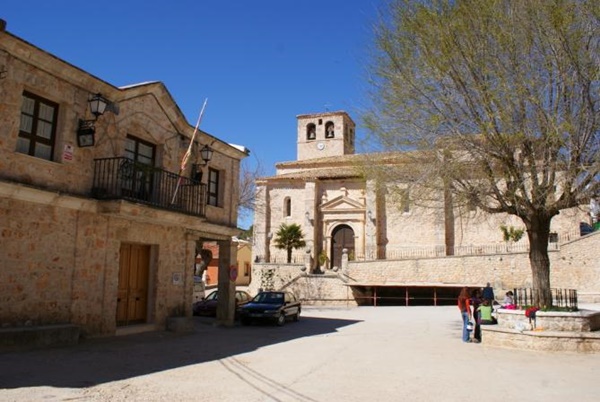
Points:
[[332, 354]]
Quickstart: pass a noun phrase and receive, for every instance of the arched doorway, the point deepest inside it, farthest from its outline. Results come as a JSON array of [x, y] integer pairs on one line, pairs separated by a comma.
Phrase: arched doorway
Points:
[[341, 238]]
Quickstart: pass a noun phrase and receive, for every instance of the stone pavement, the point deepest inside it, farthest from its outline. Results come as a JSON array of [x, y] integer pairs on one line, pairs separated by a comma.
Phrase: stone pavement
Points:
[[332, 354]]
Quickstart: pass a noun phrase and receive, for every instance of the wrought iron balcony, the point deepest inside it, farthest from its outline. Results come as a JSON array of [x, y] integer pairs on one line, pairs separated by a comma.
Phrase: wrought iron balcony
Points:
[[123, 179]]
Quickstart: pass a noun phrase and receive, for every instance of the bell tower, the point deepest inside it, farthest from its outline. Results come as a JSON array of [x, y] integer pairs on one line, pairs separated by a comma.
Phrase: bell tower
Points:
[[323, 135]]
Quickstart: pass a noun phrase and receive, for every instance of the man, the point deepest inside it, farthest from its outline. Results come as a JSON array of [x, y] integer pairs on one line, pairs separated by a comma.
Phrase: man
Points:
[[488, 294]]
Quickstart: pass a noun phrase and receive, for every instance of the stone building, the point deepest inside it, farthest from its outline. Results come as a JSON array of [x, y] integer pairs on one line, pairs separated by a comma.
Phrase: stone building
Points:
[[391, 244], [99, 226], [338, 206], [243, 264]]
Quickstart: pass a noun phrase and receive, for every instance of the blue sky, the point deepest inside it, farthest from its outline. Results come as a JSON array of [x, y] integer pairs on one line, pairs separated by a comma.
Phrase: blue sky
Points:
[[259, 63]]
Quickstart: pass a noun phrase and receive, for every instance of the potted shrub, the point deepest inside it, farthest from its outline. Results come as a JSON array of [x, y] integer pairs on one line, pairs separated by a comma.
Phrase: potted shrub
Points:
[[323, 260]]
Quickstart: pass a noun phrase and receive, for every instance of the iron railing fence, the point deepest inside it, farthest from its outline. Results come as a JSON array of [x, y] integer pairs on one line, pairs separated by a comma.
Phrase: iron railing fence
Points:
[[563, 298], [281, 258], [122, 178], [411, 252]]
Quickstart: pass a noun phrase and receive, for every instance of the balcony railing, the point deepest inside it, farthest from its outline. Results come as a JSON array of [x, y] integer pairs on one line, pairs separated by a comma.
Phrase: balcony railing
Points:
[[124, 179]]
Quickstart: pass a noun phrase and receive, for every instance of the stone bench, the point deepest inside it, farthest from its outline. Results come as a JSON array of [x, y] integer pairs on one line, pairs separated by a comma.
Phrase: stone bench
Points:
[[551, 331], [556, 341], [23, 338], [577, 321]]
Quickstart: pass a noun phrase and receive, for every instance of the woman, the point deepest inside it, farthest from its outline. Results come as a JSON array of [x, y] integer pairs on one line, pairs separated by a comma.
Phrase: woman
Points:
[[476, 301], [464, 305]]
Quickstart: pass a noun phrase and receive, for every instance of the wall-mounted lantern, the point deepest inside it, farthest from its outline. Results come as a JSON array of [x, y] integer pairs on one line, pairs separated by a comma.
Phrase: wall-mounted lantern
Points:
[[206, 154], [86, 130]]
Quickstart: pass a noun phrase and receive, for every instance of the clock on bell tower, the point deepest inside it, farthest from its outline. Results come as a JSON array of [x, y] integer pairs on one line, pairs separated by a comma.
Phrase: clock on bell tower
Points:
[[323, 135]]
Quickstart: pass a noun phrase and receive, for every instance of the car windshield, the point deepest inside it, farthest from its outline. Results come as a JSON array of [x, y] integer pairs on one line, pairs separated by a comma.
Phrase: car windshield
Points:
[[212, 296], [274, 298]]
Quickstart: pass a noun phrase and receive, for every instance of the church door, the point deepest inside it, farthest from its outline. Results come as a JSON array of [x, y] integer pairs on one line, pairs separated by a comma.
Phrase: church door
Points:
[[342, 238]]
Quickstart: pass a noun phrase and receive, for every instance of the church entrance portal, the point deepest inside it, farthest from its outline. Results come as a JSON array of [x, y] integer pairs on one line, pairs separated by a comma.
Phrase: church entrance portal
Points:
[[342, 238]]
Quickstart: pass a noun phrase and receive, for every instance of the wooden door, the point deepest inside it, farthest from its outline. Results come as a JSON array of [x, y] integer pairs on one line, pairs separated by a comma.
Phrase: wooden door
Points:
[[342, 238], [132, 296]]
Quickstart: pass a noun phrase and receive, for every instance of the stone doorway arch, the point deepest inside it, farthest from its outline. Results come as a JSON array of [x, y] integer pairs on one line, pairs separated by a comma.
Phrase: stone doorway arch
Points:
[[342, 238]]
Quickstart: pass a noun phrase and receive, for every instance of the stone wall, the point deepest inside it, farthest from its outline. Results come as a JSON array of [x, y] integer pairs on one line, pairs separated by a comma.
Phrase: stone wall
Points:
[[62, 266], [146, 111], [327, 288], [550, 331], [578, 321], [502, 271], [576, 265], [579, 342], [59, 248]]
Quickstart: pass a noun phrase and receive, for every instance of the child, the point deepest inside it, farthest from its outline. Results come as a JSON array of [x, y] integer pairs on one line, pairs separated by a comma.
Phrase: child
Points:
[[485, 314], [509, 301]]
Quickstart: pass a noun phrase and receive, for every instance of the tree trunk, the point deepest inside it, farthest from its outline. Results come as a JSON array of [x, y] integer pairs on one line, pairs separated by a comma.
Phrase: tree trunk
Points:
[[538, 232], [289, 255], [449, 220]]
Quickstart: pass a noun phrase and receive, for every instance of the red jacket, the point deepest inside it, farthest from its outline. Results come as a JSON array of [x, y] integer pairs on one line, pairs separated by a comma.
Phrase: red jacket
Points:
[[464, 305]]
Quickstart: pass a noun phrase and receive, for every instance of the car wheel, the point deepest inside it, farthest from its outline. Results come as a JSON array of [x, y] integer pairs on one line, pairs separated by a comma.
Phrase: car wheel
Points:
[[245, 321], [281, 320]]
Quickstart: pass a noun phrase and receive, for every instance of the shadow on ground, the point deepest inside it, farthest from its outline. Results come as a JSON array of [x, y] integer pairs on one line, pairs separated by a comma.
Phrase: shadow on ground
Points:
[[97, 361]]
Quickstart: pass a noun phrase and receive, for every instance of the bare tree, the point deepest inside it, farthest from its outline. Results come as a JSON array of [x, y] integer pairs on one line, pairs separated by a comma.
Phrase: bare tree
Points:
[[247, 187], [498, 100]]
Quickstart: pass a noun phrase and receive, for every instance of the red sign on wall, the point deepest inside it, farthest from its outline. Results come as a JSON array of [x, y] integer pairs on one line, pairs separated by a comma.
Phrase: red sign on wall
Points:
[[233, 273]]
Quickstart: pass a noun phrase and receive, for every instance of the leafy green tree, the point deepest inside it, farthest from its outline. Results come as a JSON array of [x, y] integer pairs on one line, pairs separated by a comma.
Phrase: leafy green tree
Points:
[[247, 234], [289, 237], [510, 233], [498, 102]]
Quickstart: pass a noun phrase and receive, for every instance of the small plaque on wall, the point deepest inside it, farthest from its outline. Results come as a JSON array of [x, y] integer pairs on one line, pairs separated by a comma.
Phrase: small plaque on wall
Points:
[[67, 155], [177, 278]]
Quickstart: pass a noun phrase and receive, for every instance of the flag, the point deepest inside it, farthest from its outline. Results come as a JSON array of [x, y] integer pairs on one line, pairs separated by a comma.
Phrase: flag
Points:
[[188, 153]]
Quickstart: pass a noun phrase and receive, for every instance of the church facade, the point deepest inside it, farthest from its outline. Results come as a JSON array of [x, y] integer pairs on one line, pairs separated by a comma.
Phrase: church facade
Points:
[[339, 207]]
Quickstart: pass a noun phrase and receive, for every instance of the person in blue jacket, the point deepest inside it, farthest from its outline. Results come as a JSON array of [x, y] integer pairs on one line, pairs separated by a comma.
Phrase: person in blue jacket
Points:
[[488, 294]]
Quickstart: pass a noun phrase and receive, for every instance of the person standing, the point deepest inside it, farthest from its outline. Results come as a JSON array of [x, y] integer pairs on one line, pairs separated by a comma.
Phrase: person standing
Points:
[[476, 301], [464, 305], [488, 293]]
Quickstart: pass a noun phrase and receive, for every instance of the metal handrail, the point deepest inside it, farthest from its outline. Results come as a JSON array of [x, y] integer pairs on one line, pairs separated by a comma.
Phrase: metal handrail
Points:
[[123, 178], [564, 298]]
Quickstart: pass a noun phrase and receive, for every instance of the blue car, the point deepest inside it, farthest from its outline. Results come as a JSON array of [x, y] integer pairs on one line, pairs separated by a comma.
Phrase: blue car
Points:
[[275, 307]]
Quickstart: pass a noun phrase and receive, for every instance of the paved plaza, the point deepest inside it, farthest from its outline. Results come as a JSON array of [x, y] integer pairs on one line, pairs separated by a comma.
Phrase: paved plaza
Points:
[[332, 354]]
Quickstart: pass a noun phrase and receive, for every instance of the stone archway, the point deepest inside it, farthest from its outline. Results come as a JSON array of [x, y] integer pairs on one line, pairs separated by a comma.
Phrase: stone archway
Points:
[[342, 238]]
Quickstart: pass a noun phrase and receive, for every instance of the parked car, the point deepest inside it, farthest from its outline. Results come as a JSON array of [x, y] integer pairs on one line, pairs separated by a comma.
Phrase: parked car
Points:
[[270, 306], [208, 305]]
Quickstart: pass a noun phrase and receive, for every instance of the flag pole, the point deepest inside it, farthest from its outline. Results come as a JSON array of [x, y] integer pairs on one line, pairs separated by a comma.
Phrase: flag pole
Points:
[[188, 153]]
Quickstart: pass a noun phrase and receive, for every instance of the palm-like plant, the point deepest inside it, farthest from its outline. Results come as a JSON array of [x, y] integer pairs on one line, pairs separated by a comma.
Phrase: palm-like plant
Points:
[[289, 237]]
